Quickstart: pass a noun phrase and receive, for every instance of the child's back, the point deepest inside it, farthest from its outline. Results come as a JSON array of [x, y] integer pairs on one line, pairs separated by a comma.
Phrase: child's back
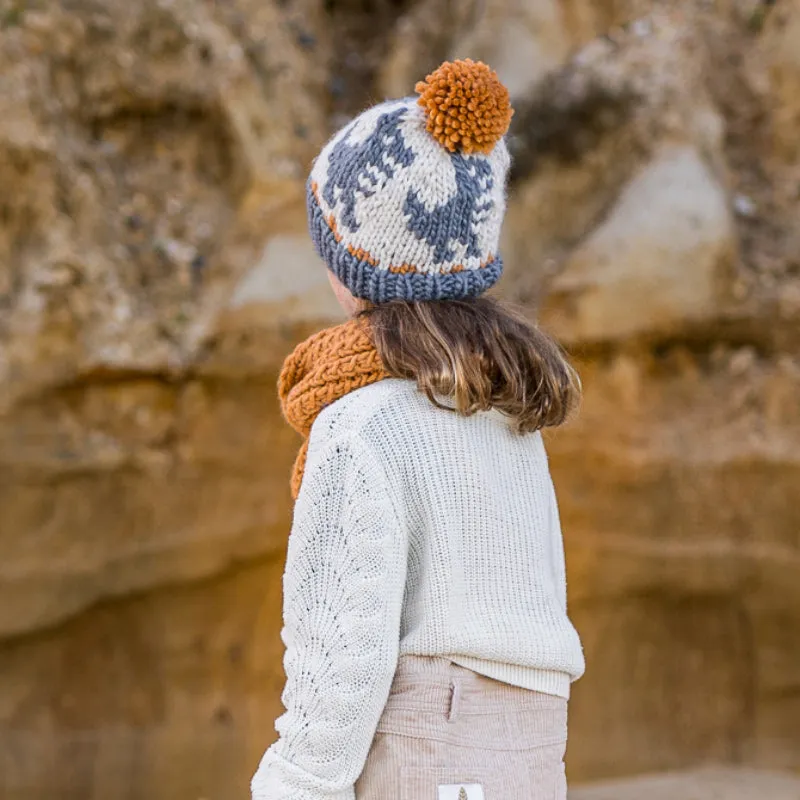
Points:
[[475, 512]]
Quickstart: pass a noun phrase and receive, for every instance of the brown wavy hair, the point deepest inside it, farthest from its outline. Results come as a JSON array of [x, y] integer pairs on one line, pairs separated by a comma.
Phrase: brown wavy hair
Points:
[[479, 354]]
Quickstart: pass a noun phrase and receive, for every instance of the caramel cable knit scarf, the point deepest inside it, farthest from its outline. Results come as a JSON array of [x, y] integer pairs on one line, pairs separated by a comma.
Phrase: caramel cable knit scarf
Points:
[[322, 369]]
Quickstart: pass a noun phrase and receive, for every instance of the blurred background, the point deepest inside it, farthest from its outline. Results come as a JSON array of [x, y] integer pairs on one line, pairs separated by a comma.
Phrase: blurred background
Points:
[[155, 270]]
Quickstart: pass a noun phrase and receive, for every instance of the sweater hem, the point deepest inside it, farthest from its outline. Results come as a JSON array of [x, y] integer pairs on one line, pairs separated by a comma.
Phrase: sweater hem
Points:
[[547, 681]]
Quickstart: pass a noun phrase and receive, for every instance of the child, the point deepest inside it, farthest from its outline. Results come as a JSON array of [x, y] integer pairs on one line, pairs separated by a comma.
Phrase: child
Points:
[[428, 650]]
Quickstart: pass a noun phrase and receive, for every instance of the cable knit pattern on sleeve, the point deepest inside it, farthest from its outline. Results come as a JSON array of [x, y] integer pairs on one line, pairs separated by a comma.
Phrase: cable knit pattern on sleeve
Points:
[[343, 589]]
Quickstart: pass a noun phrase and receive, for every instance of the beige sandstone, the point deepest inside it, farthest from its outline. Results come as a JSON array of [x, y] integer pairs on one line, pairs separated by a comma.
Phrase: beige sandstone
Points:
[[154, 271], [777, 56], [702, 784], [659, 261]]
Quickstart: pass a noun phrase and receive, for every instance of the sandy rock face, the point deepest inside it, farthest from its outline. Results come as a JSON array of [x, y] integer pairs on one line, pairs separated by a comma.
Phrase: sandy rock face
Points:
[[146, 149], [778, 58], [154, 270], [630, 277], [165, 694], [700, 784], [664, 237], [675, 488]]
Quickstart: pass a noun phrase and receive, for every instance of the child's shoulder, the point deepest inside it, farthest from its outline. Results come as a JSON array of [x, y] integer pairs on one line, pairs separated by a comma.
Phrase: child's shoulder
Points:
[[360, 409]]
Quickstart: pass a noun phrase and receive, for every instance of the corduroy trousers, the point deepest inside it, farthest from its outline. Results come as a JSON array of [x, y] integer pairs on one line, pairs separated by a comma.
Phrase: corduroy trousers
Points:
[[448, 733]]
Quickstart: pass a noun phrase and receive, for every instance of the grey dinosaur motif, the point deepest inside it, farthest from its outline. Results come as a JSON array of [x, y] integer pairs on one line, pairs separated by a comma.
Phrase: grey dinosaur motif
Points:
[[456, 220], [358, 169]]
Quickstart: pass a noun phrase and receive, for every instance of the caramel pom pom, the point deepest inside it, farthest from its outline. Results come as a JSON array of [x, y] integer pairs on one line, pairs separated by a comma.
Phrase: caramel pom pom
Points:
[[468, 108]]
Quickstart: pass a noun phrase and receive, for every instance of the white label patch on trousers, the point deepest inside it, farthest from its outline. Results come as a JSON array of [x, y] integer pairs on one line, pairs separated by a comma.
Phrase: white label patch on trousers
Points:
[[460, 791]]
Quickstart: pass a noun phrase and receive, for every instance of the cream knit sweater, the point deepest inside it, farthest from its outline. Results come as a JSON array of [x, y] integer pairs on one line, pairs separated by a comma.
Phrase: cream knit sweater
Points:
[[416, 531]]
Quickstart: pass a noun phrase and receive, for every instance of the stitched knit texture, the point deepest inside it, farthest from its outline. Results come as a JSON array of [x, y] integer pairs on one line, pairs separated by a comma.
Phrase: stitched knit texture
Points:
[[322, 369], [407, 201], [416, 531]]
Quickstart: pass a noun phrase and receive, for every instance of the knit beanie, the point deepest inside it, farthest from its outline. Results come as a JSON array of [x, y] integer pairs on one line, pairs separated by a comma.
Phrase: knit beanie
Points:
[[406, 202]]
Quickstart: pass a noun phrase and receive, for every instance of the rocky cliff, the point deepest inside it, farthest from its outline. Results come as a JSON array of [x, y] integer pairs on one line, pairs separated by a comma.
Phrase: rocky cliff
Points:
[[154, 270]]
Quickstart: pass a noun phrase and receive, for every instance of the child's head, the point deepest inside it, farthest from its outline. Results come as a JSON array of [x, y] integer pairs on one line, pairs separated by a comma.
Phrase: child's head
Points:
[[405, 207], [406, 202]]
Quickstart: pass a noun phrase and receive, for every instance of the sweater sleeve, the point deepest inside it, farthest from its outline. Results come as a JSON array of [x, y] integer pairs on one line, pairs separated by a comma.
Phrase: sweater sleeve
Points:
[[343, 591]]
